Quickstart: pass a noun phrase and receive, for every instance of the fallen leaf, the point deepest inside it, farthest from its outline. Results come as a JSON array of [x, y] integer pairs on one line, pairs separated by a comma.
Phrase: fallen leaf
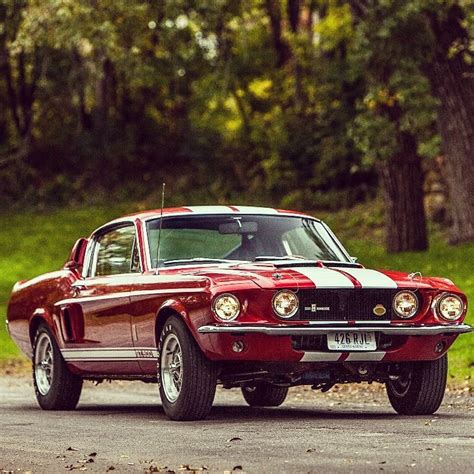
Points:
[[93, 455], [238, 468], [236, 438], [71, 449]]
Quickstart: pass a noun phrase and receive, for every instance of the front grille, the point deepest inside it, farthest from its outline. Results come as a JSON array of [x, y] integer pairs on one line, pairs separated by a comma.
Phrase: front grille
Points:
[[345, 305]]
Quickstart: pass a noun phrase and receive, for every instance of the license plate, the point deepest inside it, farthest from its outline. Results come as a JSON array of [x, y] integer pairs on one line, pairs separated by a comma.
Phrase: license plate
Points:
[[351, 341]]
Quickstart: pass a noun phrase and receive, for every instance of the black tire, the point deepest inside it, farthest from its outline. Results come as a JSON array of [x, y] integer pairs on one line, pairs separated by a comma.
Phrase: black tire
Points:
[[65, 387], [198, 375], [421, 390], [264, 395]]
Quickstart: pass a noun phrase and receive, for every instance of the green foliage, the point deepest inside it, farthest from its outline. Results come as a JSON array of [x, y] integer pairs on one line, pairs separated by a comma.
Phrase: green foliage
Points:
[[102, 98], [124, 90]]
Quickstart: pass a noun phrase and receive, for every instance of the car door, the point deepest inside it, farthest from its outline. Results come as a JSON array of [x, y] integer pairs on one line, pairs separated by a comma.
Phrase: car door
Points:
[[102, 299]]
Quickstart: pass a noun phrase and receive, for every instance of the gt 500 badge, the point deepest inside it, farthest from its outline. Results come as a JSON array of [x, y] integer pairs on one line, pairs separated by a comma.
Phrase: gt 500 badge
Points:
[[144, 354]]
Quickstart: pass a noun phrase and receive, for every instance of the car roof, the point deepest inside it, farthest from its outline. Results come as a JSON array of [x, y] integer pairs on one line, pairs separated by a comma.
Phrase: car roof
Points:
[[200, 210], [209, 210]]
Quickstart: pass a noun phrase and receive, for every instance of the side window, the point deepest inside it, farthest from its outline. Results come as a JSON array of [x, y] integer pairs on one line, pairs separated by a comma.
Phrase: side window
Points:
[[117, 252]]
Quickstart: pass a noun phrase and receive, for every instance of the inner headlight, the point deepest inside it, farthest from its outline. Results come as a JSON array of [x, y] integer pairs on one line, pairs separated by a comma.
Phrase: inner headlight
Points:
[[450, 307], [226, 307], [285, 304], [405, 304]]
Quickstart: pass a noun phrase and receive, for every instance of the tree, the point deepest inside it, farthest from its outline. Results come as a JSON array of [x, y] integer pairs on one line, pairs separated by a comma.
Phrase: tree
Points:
[[433, 37], [450, 69]]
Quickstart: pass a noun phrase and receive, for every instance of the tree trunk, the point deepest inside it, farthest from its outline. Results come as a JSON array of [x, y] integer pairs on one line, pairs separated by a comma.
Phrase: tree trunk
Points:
[[281, 47], [402, 178], [452, 80]]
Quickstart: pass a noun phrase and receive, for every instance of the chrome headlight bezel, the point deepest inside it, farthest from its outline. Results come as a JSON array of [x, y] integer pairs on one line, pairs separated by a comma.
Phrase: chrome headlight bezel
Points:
[[218, 311], [295, 308], [439, 312], [416, 306]]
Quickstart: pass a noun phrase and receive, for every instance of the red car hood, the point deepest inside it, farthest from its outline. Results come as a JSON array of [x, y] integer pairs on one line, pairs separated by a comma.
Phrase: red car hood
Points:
[[270, 276]]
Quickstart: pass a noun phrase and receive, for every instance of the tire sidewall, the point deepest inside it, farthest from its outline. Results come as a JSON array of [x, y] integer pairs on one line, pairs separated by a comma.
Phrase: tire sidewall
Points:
[[425, 391], [176, 327], [48, 401]]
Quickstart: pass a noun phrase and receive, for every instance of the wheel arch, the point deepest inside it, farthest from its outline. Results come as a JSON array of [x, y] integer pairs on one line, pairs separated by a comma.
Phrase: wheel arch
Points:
[[167, 309], [38, 317]]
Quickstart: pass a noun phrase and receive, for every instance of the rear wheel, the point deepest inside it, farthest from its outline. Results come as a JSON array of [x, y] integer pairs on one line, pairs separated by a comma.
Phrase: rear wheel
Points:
[[187, 379], [264, 395], [56, 387], [420, 389]]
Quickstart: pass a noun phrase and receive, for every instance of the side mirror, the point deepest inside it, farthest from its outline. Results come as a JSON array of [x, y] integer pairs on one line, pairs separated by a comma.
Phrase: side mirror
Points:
[[78, 252], [354, 259]]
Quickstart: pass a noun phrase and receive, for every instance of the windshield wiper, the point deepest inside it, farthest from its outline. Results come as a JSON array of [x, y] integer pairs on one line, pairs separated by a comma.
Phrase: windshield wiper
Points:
[[199, 260], [261, 258]]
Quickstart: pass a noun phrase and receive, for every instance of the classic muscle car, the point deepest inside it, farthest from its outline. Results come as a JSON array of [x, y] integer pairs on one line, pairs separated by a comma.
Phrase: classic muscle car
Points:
[[256, 298]]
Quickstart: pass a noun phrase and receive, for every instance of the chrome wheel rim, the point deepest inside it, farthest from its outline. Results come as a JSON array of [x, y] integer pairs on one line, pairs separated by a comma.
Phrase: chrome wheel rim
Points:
[[171, 367], [44, 363]]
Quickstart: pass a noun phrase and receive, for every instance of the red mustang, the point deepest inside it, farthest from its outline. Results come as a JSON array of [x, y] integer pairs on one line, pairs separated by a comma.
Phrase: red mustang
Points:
[[248, 297]]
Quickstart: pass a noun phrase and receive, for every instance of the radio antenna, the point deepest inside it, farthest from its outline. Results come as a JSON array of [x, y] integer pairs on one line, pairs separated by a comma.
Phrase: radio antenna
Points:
[[159, 231]]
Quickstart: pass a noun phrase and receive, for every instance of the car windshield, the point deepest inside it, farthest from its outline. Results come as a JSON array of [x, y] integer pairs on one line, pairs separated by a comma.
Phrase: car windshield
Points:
[[213, 239]]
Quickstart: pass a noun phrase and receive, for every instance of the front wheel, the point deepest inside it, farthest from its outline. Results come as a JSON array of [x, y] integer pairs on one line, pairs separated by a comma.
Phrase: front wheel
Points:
[[419, 390], [56, 387], [264, 395], [187, 379]]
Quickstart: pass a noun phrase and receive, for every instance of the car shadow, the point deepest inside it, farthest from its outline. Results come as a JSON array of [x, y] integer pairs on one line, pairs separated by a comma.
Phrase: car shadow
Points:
[[238, 413]]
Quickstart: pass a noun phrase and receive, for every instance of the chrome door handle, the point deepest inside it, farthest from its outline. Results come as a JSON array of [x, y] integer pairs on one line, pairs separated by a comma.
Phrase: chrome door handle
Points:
[[78, 288]]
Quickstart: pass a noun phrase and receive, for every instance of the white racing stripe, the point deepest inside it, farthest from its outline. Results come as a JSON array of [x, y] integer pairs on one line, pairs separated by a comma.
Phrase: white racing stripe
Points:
[[109, 354], [370, 278], [325, 277], [321, 356], [365, 356], [255, 210], [335, 356], [210, 209]]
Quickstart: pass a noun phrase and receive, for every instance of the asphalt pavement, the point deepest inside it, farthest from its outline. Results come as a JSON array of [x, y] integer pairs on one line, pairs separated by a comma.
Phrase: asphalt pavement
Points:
[[121, 427]]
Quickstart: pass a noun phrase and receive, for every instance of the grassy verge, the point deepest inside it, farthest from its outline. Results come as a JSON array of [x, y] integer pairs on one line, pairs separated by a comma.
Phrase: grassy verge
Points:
[[34, 243]]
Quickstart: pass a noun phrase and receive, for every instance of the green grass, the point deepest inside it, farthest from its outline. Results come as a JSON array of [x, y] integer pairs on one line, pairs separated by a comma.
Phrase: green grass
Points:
[[33, 243]]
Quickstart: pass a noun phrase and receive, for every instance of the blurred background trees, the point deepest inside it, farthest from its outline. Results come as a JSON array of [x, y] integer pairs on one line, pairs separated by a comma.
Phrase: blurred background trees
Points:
[[311, 104]]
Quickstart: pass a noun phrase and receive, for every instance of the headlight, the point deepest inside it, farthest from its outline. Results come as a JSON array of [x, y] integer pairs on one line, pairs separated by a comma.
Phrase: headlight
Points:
[[226, 307], [450, 307], [405, 304], [285, 304]]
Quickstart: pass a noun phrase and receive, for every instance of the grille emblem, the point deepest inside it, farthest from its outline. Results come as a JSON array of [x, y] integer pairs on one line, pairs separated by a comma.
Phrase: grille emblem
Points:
[[379, 310], [314, 307]]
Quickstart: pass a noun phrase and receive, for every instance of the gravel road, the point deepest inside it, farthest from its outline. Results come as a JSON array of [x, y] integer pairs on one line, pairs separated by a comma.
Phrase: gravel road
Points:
[[120, 427]]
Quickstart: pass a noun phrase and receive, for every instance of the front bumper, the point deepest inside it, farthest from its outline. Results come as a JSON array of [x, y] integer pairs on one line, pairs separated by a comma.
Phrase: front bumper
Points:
[[313, 330]]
